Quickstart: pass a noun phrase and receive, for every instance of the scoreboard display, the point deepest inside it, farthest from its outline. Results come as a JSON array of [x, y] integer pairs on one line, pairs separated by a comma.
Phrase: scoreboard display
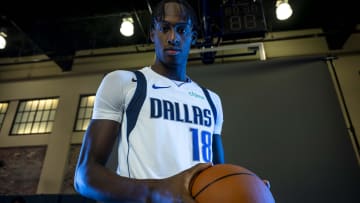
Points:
[[243, 19]]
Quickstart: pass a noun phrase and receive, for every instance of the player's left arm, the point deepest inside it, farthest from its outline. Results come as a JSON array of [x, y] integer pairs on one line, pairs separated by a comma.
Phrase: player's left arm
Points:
[[218, 150], [217, 145]]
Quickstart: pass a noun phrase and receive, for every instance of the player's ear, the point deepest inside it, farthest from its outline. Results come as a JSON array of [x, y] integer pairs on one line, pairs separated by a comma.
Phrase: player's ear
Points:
[[194, 37]]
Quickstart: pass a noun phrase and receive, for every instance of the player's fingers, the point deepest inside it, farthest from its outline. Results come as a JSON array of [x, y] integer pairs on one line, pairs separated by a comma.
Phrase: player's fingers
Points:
[[199, 167]]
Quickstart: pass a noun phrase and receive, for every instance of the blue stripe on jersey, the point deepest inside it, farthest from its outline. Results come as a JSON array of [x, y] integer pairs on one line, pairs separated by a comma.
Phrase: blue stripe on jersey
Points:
[[213, 108], [136, 102], [133, 110]]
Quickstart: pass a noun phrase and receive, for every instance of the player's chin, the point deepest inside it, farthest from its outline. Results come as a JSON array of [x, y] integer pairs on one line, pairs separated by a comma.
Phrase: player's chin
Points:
[[174, 61]]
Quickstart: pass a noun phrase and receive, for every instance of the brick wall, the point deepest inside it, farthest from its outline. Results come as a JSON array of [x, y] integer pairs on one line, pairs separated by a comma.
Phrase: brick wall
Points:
[[20, 169], [68, 185]]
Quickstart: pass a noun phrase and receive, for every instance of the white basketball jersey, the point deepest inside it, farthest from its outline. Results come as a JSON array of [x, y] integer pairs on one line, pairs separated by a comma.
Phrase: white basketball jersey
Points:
[[164, 130]]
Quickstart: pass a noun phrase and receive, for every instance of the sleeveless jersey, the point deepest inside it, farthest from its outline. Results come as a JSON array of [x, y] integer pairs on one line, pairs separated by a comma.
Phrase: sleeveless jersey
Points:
[[165, 129]]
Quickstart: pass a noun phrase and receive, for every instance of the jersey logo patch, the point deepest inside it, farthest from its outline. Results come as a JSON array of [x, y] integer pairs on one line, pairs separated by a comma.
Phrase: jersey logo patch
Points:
[[159, 87]]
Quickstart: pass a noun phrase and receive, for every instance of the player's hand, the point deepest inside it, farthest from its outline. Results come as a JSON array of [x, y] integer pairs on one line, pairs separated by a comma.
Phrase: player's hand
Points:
[[176, 189]]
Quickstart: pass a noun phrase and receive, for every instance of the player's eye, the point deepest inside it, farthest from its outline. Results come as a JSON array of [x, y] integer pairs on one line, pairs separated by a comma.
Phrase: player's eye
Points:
[[164, 28], [181, 29]]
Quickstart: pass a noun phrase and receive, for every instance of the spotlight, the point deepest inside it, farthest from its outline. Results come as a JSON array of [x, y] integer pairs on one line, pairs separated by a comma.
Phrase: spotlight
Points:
[[2, 39], [283, 9], [127, 27]]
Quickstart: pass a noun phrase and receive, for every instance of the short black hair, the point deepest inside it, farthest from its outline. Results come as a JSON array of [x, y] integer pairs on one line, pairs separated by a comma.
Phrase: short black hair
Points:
[[188, 11]]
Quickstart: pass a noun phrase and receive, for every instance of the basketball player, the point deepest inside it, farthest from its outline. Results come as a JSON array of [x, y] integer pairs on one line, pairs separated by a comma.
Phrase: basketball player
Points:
[[169, 126]]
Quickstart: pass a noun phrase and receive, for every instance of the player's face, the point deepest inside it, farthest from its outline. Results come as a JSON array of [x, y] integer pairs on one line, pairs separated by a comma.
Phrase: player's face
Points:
[[172, 37]]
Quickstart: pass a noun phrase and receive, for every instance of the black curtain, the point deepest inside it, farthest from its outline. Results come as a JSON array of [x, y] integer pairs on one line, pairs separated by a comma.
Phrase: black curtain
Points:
[[282, 120]]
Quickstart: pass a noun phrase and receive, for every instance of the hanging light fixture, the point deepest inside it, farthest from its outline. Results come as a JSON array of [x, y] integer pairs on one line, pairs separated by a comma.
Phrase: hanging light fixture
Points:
[[283, 10], [127, 26]]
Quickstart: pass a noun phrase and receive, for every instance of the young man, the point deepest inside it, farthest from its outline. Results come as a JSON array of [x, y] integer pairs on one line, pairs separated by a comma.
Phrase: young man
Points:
[[169, 129]]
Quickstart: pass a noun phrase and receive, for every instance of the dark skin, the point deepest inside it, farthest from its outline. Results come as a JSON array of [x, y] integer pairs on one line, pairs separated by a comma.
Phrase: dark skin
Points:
[[93, 180], [172, 45]]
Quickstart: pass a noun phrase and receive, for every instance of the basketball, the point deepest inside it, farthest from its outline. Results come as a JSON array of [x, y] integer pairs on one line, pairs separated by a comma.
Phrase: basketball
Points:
[[228, 183]]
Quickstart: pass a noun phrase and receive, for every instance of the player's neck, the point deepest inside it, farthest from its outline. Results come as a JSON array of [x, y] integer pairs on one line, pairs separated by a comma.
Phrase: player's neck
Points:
[[174, 73]]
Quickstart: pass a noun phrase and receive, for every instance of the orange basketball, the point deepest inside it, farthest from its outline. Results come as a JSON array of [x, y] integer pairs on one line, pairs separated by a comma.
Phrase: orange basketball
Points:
[[228, 183]]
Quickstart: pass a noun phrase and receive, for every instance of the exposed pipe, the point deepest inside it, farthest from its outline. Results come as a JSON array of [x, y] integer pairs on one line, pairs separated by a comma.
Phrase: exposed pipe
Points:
[[149, 7]]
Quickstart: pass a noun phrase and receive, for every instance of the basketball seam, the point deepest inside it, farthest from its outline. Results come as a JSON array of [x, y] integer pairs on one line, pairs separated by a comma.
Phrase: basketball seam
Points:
[[222, 177]]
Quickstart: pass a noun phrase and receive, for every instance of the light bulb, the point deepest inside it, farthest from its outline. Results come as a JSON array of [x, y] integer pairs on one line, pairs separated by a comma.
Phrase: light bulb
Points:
[[127, 27], [283, 11], [2, 42]]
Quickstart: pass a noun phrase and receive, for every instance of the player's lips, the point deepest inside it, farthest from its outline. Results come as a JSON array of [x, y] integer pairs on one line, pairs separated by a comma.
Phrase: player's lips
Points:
[[172, 51]]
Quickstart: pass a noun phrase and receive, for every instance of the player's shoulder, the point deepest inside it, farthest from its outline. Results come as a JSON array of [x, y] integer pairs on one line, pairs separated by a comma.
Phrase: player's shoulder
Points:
[[214, 96], [119, 75], [210, 91], [122, 75]]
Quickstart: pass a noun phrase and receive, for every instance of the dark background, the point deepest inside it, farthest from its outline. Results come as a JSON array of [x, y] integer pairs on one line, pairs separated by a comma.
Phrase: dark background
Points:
[[59, 29], [282, 120]]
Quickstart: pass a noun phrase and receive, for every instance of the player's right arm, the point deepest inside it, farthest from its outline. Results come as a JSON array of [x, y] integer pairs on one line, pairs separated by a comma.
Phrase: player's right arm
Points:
[[94, 180]]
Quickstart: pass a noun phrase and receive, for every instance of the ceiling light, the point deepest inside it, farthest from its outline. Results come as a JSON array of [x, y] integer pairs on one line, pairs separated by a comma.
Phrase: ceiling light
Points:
[[283, 10], [2, 40], [127, 27]]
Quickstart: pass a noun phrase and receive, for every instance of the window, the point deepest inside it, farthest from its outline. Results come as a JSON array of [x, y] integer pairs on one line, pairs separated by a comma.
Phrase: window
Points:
[[3, 109], [84, 112], [35, 116]]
